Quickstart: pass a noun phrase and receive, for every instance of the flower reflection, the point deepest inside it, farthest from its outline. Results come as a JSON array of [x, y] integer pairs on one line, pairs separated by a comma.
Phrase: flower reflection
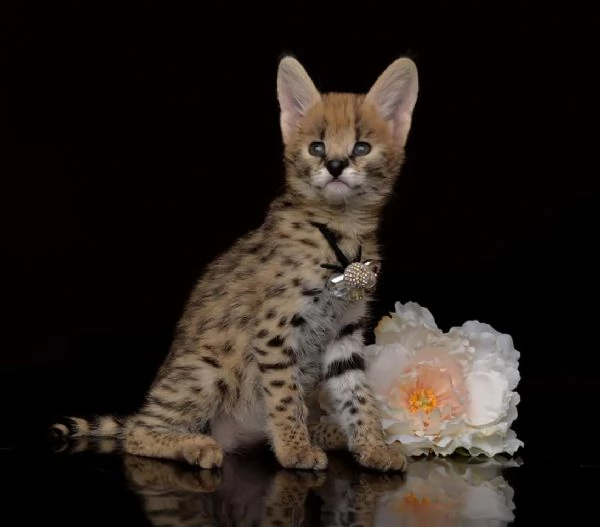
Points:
[[441, 492]]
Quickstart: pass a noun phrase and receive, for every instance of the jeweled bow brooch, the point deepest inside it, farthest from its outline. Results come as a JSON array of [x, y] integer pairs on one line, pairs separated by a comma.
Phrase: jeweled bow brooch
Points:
[[354, 279]]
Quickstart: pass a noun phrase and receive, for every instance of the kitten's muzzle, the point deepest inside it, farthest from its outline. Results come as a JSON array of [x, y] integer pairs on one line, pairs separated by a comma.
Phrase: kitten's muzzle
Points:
[[336, 166]]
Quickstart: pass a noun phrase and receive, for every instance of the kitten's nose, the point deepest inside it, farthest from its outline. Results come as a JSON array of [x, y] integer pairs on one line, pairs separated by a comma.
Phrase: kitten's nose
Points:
[[336, 166]]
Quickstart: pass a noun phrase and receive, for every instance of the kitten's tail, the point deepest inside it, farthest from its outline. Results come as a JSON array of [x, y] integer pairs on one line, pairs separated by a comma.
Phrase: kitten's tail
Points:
[[104, 426]]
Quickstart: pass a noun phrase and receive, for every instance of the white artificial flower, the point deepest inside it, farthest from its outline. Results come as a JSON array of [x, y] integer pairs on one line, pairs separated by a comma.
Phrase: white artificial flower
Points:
[[442, 392]]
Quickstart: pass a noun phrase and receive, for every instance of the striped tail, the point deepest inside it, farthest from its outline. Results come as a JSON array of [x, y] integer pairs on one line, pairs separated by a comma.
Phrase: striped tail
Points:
[[105, 426]]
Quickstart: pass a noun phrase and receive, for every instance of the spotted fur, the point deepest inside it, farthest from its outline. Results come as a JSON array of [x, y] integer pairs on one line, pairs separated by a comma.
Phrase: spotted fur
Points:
[[261, 332]]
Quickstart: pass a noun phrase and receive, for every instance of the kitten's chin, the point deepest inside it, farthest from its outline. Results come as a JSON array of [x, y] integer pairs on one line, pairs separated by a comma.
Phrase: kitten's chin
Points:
[[336, 192]]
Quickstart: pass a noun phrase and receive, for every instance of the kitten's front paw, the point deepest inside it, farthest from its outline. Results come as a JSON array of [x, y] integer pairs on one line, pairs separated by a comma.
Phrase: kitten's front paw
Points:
[[381, 456], [308, 458]]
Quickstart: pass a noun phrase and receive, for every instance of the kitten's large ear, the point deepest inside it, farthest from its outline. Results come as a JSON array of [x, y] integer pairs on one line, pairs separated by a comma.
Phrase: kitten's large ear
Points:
[[394, 94], [296, 93]]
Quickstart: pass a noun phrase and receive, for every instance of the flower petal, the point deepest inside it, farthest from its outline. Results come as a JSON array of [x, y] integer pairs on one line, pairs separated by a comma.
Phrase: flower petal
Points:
[[385, 365], [488, 397], [396, 428], [484, 502], [416, 313]]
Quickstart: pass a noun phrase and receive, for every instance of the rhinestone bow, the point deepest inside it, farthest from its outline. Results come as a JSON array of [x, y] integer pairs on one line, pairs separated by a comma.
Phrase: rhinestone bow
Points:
[[357, 279]]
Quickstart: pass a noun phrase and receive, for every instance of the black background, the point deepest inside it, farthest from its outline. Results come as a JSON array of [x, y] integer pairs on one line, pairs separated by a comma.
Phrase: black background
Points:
[[139, 139]]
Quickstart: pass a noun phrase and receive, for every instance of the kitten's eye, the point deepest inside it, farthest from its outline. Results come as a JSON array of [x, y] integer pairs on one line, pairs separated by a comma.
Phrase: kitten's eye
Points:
[[361, 148], [316, 148]]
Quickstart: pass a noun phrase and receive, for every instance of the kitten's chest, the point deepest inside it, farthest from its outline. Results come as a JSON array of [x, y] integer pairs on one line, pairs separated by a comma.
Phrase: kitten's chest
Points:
[[324, 242], [321, 314], [323, 317], [322, 321], [325, 310]]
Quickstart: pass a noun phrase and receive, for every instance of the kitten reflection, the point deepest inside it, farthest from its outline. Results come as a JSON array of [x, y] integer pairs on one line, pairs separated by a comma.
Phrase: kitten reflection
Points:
[[85, 444], [246, 492], [351, 495], [179, 496]]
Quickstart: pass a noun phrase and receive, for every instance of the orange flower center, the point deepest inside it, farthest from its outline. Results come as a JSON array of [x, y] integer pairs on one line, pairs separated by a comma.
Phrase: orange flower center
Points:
[[422, 399], [413, 501], [427, 511]]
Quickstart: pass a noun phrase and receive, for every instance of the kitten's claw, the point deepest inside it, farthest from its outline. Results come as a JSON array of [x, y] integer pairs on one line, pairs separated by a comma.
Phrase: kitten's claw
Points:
[[205, 453], [307, 458], [381, 456]]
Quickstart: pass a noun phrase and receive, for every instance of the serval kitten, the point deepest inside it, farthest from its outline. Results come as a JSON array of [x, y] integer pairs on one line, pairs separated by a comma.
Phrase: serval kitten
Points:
[[261, 331]]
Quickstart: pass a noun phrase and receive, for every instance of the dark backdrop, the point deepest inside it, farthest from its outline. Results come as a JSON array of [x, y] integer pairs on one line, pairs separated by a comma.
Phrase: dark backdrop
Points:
[[139, 139]]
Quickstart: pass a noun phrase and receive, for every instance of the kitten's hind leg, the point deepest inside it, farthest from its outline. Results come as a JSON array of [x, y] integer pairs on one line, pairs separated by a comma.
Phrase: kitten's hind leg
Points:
[[163, 442], [179, 407]]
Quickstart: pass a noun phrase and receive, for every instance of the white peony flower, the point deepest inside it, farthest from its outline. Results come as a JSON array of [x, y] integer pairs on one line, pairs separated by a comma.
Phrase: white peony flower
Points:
[[442, 392], [442, 493]]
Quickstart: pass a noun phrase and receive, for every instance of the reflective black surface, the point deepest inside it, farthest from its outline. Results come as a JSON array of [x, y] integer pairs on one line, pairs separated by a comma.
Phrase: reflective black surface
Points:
[[94, 484]]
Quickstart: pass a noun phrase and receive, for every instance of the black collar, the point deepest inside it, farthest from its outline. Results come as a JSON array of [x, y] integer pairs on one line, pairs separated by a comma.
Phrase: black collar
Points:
[[332, 239]]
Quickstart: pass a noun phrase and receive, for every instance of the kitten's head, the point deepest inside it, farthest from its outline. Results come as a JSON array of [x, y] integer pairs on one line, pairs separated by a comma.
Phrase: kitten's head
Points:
[[346, 149]]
